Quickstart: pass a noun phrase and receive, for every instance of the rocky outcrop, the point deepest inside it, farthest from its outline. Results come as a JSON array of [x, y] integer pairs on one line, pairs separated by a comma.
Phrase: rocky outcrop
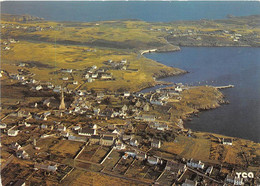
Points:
[[173, 72]]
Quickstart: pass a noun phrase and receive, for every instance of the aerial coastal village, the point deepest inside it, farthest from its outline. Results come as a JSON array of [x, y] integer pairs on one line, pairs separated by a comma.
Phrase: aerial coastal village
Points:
[[73, 111]]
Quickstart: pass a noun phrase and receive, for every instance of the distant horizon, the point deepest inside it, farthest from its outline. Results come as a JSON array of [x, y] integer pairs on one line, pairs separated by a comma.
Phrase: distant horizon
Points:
[[134, 0], [150, 11]]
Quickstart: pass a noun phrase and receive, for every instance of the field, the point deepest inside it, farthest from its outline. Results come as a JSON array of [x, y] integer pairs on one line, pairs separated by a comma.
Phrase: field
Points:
[[48, 58], [79, 178], [205, 148], [137, 170], [88, 152], [189, 147], [167, 178], [111, 161], [100, 154], [66, 148]]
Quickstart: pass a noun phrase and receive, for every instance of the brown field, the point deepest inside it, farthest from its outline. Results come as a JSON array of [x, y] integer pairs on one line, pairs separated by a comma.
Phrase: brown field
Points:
[[79, 178], [88, 152], [189, 147], [112, 160], [123, 165], [137, 170], [99, 154], [66, 148]]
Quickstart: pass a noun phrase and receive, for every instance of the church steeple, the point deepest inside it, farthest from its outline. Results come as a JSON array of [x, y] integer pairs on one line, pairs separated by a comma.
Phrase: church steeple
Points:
[[62, 103]]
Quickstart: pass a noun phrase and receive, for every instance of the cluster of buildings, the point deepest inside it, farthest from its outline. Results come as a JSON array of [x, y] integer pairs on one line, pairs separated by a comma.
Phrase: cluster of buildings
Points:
[[122, 65], [26, 28], [93, 73], [6, 44]]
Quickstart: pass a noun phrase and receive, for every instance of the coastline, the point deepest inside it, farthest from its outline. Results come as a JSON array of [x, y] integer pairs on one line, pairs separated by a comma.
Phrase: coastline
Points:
[[217, 105]]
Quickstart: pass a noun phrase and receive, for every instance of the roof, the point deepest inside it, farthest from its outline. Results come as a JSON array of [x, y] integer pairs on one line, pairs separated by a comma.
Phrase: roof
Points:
[[95, 137], [12, 131], [108, 138], [151, 158], [227, 140], [141, 154], [87, 130], [195, 161]]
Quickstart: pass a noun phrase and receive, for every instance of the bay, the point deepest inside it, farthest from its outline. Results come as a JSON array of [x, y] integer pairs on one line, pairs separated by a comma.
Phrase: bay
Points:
[[217, 67]]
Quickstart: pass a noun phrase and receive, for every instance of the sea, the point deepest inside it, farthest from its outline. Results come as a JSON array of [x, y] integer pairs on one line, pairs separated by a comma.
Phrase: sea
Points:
[[239, 66]]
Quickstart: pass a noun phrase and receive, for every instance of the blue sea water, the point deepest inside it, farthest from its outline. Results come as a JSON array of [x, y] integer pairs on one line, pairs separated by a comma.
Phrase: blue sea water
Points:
[[215, 66], [148, 11], [222, 66]]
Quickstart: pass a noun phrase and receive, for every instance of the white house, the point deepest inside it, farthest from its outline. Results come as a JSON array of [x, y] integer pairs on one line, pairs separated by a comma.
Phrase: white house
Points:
[[77, 138], [156, 143], [209, 170], [87, 131], [178, 89], [57, 89], [134, 142], [227, 141], [15, 146], [64, 134], [131, 153], [12, 132], [156, 102], [120, 145], [61, 128], [106, 76], [22, 65], [116, 131], [39, 87], [153, 160], [238, 181], [67, 70], [141, 156], [50, 168], [7, 48], [22, 154], [96, 111], [195, 164], [175, 167], [127, 94], [124, 61], [90, 80], [94, 76], [76, 128], [2, 125]]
